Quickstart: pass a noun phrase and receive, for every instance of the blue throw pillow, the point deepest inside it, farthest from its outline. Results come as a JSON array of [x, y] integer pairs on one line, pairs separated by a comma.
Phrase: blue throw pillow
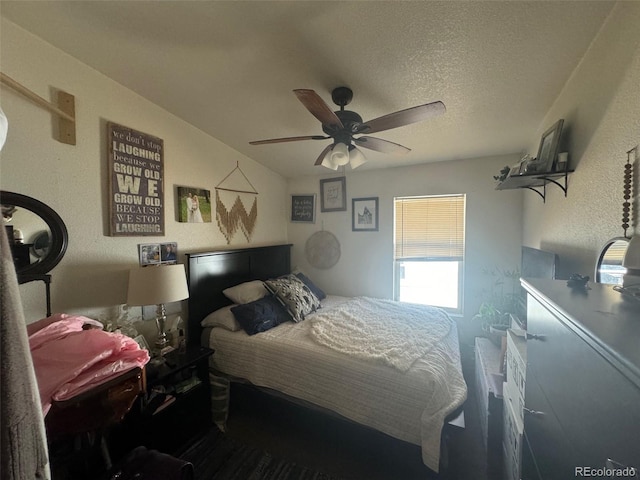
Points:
[[260, 315], [312, 286]]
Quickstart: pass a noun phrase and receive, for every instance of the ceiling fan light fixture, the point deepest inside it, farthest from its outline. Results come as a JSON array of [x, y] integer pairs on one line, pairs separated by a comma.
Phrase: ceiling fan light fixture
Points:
[[356, 158], [328, 162], [340, 154]]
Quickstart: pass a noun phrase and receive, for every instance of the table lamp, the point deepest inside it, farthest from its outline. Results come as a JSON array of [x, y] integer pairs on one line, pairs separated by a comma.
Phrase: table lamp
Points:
[[157, 285], [631, 262]]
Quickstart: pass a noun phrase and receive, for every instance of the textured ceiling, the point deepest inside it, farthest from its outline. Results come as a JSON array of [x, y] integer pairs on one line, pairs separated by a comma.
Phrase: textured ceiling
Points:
[[229, 68]]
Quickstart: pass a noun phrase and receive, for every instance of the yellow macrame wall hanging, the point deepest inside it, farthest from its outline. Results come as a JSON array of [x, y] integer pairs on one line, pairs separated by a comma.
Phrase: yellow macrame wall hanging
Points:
[[231, 213]]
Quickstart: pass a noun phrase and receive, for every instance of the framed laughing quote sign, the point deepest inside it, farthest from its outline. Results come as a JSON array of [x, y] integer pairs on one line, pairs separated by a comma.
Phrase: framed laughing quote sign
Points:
[[136, 182]]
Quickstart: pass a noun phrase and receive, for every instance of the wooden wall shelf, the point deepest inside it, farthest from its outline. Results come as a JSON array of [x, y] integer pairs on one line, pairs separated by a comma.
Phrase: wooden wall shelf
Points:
[[536, 182], [65, 110]]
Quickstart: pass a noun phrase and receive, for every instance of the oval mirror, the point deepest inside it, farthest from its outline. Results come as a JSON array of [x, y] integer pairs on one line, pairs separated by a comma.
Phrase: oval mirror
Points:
[[37, 235], [609, 267]]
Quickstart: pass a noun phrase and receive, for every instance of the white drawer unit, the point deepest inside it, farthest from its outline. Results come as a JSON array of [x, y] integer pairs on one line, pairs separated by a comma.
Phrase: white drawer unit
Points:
[[516, 370], [516, 360], [512, 437], [489, 395], [513, 410]]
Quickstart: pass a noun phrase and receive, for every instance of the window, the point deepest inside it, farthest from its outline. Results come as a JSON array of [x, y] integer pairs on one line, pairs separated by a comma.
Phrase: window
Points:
[[429, 250]]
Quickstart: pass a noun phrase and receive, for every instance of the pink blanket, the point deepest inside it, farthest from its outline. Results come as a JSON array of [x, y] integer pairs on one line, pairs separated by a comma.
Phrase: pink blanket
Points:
[[69, 360]]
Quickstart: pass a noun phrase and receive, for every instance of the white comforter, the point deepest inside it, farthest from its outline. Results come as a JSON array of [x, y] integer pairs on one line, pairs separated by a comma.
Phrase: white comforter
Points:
[[391, 332], [410, 405]]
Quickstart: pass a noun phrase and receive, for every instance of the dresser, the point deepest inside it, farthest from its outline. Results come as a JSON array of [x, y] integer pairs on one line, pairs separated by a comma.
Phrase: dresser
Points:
[[582, 392]]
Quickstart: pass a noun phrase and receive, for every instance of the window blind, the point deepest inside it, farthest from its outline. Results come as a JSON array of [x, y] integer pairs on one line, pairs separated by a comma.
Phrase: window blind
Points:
[[429, 228]]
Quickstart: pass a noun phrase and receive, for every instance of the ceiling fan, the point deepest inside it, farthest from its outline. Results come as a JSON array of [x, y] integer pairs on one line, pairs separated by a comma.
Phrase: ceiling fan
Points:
[[343, 125]]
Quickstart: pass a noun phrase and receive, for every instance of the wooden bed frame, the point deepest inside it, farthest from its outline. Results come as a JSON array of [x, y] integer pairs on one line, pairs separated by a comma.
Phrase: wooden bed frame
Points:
[[209, 273]]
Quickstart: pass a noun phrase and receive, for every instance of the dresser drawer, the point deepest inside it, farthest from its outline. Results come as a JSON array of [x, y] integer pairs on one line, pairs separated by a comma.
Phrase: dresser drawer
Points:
[[516, 363], [595, 407], [515, 402], [553, 451], [511, 437]]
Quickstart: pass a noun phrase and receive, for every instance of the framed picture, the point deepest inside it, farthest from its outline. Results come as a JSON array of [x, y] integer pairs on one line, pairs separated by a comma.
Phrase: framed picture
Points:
[[168, 252], [303, 208], [149, 253], [156, 253], [333, 194], [194, 205], [548, 149], [365, 214], [136, 182]]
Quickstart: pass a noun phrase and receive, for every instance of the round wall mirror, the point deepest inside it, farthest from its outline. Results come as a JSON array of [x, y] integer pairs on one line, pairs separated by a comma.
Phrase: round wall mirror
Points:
[[609, 267], [37, 235]]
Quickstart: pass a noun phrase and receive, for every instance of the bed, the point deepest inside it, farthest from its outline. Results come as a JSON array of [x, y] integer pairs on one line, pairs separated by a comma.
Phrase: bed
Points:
[[409, 389]]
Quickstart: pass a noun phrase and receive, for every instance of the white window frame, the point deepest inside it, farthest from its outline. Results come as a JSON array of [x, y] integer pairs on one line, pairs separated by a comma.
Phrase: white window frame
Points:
[[425, 254]]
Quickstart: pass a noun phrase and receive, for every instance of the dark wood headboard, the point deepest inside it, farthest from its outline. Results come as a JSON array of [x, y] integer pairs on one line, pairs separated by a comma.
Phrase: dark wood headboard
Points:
[[209, 273]]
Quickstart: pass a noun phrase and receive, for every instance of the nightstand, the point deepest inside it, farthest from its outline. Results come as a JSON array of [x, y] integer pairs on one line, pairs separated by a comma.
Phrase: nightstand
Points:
[[176, 409]]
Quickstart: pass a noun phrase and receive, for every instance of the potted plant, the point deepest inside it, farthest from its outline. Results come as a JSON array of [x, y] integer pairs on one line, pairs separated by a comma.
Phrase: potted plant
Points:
[[501, 298]]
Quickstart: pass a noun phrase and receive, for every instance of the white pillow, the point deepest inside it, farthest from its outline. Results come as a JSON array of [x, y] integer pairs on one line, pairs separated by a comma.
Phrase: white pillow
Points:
[[223, 317], [246, 292]]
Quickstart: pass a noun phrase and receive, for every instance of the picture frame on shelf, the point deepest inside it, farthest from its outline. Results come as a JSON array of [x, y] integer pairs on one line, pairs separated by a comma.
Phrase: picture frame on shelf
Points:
[[333, 194], [562, 162], [303, 208], [548, 149], [364, 214], [522, 164]]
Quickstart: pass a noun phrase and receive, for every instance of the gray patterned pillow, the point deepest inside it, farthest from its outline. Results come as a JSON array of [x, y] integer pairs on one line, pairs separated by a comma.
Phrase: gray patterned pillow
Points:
[[294, 295]]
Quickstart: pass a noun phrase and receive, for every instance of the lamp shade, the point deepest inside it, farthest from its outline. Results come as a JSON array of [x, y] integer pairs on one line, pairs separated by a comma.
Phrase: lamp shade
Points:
[[153, 285], [4, 127], [632, 256], [356, 158], [328, 162], [340, 154]]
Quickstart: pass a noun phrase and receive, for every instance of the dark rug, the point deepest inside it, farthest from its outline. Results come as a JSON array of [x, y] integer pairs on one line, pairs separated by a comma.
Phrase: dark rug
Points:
[[218, 457]]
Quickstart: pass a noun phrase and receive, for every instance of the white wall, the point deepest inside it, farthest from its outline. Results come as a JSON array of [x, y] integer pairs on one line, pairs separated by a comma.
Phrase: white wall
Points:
[[73, 180], [493, 225], [601, 107]]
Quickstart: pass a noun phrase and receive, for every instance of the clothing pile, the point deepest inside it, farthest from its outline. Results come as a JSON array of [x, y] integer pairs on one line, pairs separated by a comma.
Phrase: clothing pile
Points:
[[72, 354]]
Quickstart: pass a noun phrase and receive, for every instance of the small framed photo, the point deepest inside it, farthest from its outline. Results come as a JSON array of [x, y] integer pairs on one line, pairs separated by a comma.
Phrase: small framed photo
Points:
[[142, 342], [365, 214], [333, 194], [194, 205], [169, 252], [156, 253], [303, 208], [149, 253], [548, 149]]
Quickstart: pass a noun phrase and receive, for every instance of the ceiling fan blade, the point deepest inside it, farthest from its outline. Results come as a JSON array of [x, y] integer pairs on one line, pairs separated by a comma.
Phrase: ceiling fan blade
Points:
[[380, 145], [322, 155], [318, 108], [288, 139], [403, 117]]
